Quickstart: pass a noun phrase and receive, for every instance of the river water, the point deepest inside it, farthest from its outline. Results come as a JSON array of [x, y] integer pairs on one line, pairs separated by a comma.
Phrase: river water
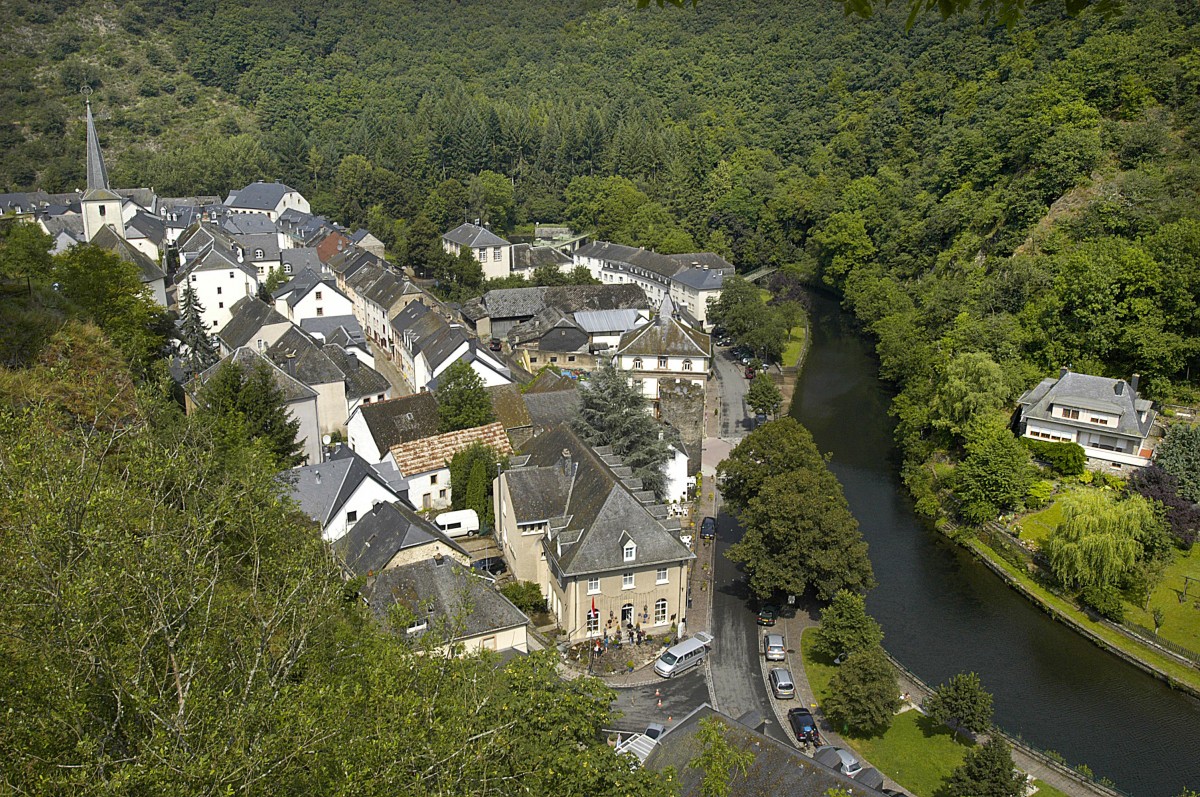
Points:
[[943, 613]]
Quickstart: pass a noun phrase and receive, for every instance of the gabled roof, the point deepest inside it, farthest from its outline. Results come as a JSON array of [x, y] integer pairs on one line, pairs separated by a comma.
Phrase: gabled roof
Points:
[[147, 226], [447, 595], [248, 224], [142, 197], [304, 283], [665, 335], [594, 321], [258, 196], [361, 379], [433, 453], [343, 330], [389, 528], [549, 409], [631, 257], [527, 302], [1083, 391], [474, 236], [701, 279], [245, 358], [249, 315], [509, 406], [377, 283], [321, 490], [422, 331], [108, 239], [400, 420], [597, 507], [545, 324], [301, 258], [526, 256], [296, 353]]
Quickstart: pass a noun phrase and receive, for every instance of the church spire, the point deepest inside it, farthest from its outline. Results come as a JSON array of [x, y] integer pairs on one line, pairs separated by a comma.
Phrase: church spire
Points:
[[97, 175]]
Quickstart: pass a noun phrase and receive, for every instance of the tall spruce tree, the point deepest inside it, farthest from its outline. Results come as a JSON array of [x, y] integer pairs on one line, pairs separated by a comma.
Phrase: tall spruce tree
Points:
[[200, 351], [613, 413], [249, 403]]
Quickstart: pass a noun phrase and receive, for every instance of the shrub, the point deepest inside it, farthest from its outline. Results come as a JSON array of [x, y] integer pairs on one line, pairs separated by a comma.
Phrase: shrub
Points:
[[1039, 494], [1106, 601], [1065, 459], [525, 595]]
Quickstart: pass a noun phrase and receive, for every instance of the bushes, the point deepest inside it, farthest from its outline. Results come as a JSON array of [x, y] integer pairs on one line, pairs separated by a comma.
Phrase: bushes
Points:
[[1106, 601], [1065, 459], [525, 595]]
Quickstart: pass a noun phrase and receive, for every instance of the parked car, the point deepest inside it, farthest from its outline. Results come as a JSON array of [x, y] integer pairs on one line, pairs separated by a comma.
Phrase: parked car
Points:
[[749, 373], [768, 614], [654, 730], [782, 685], [839, 759], [773, 647], [708, 528], [804, 725], [492, 565]]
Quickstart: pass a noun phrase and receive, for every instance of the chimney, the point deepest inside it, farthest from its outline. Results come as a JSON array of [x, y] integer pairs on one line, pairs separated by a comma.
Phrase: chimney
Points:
[[438, 559], [291, 364], [1133, 383], [1119, 387], [566, 465], [317, 476], [1063, 371]]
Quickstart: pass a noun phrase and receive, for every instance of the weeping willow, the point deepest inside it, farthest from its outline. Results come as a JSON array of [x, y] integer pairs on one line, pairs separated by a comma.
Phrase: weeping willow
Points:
[[1101, 537]]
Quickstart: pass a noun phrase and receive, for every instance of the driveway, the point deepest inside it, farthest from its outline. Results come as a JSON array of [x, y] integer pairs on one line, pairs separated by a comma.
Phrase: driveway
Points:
[[639, 705]]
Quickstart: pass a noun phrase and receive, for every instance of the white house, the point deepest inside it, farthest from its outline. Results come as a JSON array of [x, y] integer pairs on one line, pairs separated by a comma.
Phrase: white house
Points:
[[1104, 416], [218, 279], [338, 493], [426, 344], [271, 199], [251, 323], [424, 464], [664, 349], [374, 427], [493, 252], [310, 295]]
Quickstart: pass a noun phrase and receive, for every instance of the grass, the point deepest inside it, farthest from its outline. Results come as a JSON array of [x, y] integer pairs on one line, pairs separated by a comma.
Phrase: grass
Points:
[[1038, 526], [913, 751], [1181, 619], [1046, 790], [795, 345], [1180, 672]]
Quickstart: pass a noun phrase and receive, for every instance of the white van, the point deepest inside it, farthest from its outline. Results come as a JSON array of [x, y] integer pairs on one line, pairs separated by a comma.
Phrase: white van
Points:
[[458, 524], [682, 655]]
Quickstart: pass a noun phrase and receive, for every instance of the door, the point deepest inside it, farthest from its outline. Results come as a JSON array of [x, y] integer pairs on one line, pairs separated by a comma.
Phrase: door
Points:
[[627, 614]]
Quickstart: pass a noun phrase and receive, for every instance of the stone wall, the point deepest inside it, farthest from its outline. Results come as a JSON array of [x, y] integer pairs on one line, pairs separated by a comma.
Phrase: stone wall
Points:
[[681, 404]]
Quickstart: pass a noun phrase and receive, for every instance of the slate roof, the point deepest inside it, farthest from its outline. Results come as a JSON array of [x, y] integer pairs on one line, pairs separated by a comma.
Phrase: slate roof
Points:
[[543, 326], [463, 604], [389, 528], [701, 259], [1088, 392], [527, 302], [343, 330], [401, 420], [547, 410], [293, 389], [777, 768], [147, 226], [631, 257], [701, 279], [97, 174], [249, 315], [208, 248], [304, 283], [432, 453], [70, 223], [377, 283], [361, 379], [526, 256], [258, 196], [423, 331], [474, 236], [296, 353], [321, 490], [304, 227], [547, 381], [509, 406], [301, 258], [599, 508], [665, 335], [249, 224], [108, 239]]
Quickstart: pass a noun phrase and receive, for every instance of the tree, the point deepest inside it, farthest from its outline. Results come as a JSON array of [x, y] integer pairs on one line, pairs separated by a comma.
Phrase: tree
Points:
[[863, 693], [960, 703], [1101, 538], [463, 403], [248, 403], [800, 535], [471, 469], [846, 627], [491, 199], [718, 759], [988, 771], [1182, 516], [772, 449], [995, 475], [525, 595], [972, 386], [200, 352], [1006, 12], [763, 396], [24, 250], [613, 413], [1179, 455]]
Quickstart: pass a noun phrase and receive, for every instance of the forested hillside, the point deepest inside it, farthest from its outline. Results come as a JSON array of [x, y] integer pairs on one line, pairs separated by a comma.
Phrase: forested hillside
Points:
[[992, 203]]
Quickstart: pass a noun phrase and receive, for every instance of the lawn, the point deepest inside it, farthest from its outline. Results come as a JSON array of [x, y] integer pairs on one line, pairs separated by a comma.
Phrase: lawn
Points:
[[1038, 526], [795, 345], [912, 752], [1181, 619], [1046, 790]]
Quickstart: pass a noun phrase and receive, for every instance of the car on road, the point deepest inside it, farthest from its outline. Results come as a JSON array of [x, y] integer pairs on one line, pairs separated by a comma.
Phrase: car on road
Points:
[[838, 759], [804, 726], [773, 647], [782, 685], [708, 528], [768, 614]]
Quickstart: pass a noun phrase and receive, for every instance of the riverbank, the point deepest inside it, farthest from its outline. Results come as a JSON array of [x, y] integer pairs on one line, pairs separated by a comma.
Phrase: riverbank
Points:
[[1177, 675]]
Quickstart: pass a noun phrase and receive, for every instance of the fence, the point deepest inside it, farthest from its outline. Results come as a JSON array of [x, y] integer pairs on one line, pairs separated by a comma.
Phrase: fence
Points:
[[1152, 638]]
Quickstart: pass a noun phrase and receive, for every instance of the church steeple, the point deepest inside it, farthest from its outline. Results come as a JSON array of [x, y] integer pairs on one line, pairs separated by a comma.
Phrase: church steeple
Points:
[[97, 175], [101, 205]]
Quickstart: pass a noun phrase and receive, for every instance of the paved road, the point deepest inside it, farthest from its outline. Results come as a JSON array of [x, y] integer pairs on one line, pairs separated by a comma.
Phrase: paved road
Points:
[[639, 705], [731, 385]]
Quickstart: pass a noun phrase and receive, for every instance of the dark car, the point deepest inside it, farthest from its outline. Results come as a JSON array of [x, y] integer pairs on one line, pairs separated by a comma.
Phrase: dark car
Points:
[[492, 565], [494, 344], [768, 614], [708, 529], [804, 725]]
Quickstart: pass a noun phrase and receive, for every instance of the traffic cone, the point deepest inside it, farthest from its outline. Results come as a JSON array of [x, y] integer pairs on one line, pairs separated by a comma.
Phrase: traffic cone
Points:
[[656, 694], [660, 703]]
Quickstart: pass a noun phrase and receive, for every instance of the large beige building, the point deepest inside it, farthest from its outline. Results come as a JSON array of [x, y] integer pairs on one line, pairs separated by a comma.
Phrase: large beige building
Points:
[[574, 520]]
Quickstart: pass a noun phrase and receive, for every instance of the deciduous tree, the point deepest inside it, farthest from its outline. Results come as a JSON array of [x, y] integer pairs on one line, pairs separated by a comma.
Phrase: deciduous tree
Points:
[[863, 694], [763, 396], [463, 403], [995, 475], [961, 702], [987, 772], [719, 760], [846, 627], [770, 450]]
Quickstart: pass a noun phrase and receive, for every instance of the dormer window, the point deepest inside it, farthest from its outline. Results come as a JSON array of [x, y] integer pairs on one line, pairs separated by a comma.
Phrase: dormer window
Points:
[[259, 254], [630, 551], [687, 365], [637, 363]]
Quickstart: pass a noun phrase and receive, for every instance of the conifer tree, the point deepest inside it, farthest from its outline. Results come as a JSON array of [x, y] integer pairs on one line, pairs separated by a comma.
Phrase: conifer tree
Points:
[[201, 352], [613, 413]]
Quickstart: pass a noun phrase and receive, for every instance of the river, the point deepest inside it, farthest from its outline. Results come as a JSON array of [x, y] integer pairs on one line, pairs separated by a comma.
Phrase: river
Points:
[[942, 612]]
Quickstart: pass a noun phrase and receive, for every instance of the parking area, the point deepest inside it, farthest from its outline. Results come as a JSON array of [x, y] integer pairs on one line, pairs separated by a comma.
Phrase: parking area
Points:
[[663, 700]]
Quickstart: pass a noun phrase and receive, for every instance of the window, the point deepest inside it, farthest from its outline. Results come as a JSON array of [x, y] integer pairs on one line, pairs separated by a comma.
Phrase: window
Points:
[[594, 586], [662, 362], [433, 479], [1071, 414], [193, 278], [571, 358], [1101, 421], [660, 577], [593, 623], [220, 306], [102, 210], [660, 611], [481, 255], [441, 493], [687, 365], [287, 268], [259, 254], [318, 296], [630, 551], [627, 581], [320, 311], [351, 517], [496, 253], [637, 363], [532, 359], [553, 359], [218, 291]]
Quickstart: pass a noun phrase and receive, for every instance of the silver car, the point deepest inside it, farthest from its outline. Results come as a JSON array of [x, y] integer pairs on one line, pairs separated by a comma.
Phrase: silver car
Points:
[[773, 647], [782, 685]]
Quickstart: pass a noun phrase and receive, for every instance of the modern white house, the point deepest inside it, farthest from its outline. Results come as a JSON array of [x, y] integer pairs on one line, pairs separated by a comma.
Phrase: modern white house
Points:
[[310, 295], [493, 252], [1106, 417]]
